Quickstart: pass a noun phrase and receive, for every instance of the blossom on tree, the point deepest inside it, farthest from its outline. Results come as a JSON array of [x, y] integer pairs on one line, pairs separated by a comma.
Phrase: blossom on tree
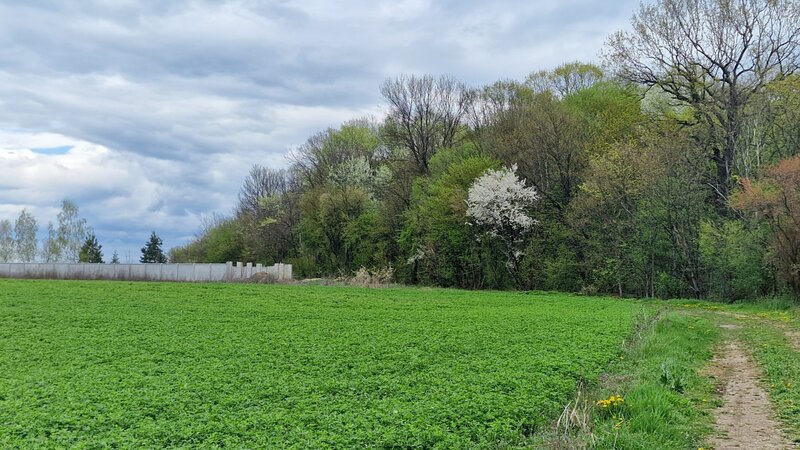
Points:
[[498, 202]]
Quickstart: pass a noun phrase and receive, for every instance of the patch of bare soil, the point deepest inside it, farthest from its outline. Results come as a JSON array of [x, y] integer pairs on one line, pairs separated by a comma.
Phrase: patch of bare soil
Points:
[[746, 418], [794, 338], [732, 314]]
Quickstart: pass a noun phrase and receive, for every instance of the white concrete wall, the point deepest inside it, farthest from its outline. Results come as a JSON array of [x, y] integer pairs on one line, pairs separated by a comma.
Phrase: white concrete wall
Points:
[[155, 272]]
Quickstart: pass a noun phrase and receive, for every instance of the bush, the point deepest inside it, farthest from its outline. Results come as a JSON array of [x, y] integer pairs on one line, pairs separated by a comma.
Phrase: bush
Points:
[[378, 277], [304, 267], [668, 286]]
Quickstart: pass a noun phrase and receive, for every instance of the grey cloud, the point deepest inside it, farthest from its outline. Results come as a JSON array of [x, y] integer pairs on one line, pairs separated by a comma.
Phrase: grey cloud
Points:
[[187, 94]]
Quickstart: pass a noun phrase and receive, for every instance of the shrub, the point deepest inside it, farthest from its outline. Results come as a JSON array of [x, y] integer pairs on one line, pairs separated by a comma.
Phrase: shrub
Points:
[[377, 277]]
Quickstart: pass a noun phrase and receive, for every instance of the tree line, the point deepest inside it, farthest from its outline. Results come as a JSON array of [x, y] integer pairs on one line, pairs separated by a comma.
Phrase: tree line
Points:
[[70, 240], [672, 171]]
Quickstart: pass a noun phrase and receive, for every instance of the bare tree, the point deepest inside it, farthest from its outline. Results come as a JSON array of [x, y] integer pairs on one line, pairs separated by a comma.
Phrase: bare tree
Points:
[[310, 160], [261, 183], [267, 212], [425, 114], [712, 55], [489, 104], [209, 222]]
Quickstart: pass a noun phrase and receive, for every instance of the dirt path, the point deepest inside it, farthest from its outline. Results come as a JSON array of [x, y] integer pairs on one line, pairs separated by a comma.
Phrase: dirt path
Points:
[[746, 418], [792, 334]]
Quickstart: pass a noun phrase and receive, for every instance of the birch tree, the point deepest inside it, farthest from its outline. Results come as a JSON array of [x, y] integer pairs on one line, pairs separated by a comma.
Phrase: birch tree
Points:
[[51, 245], [25, 229], [72, 231], [6, 241]]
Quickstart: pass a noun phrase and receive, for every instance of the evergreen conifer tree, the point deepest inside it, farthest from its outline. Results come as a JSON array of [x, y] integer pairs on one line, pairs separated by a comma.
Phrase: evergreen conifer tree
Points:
[[91, 250], [152, 251]]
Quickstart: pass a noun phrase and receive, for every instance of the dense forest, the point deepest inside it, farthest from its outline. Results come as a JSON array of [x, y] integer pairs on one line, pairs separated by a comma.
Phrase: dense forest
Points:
[[670, 169]]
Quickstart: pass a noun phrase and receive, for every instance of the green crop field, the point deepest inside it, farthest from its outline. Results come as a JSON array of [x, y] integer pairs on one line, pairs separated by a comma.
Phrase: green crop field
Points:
[[100, 364]]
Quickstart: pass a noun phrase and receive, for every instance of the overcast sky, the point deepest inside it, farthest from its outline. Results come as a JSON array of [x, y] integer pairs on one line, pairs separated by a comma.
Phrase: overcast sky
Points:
[[148, 114]]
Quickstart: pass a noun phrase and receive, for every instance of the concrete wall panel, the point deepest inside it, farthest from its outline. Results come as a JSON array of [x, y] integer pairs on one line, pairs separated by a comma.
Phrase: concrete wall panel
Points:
[[163, 272]]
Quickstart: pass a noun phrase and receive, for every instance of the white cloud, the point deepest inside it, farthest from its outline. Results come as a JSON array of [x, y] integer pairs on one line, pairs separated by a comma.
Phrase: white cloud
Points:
[[165, 105], [115, 190]]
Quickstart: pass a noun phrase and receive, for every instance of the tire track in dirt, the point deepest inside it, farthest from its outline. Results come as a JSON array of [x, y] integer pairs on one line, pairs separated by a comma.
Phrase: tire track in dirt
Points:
[[746, 419]]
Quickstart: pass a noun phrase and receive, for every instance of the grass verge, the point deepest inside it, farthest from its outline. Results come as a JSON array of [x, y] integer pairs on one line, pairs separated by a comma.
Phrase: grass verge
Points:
[[654, 396]]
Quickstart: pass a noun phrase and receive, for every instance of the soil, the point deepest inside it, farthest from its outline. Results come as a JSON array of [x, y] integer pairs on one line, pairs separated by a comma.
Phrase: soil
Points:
[[746, 418], [794, 338]]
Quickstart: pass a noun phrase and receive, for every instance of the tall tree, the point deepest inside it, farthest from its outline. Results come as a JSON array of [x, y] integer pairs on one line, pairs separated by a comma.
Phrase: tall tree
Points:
[[115, 257], [264, 228], [152, 251], [425, 114], [323, 152], [91, 250], [72, 231], [6, 241], [714, 56], [52, 246], [546, 140], [25, 229], [340, 228], [260, 183]]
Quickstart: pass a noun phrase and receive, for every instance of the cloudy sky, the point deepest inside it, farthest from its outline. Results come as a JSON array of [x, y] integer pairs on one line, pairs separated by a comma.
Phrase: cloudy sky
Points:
[[148, 114]]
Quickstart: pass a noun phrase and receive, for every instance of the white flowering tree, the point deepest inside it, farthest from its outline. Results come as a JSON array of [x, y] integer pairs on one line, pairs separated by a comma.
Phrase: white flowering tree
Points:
[[498, 202]]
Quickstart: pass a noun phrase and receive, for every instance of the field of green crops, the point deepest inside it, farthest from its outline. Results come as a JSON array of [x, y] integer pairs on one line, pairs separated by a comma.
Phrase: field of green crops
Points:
[[97, 364]]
